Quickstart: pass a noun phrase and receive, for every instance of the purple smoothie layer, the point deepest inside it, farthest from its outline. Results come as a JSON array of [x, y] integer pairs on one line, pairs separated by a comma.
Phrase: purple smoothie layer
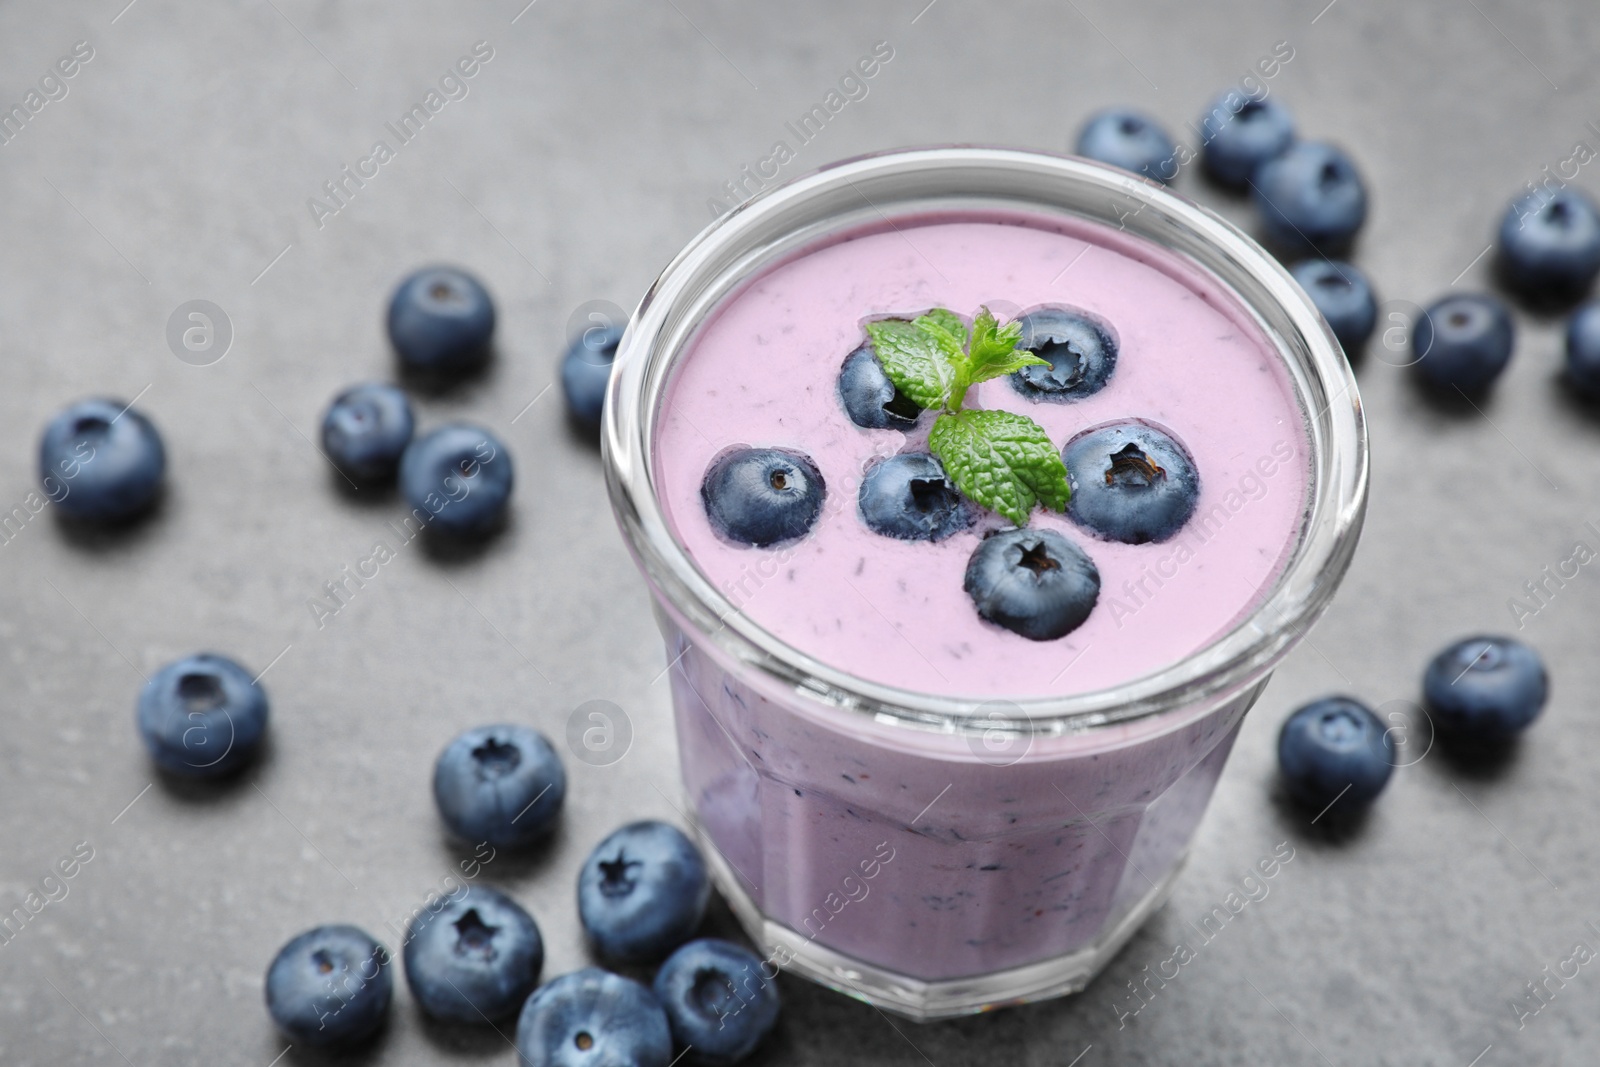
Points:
[[764, 370], [906, 850], [922, 853]]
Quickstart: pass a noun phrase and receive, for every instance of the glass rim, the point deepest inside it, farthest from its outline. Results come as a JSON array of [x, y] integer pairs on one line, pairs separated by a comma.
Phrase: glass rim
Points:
[[787, 218]]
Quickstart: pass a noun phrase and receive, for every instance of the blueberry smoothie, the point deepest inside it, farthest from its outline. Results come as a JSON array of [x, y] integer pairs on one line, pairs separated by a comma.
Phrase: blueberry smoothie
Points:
[[939, 474], [766, 373]]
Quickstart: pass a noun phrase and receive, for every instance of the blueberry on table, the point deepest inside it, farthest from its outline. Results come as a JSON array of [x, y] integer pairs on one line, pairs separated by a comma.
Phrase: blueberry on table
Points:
[[501, 784], [1335, 749], [1485, 688], [1033, 582], [1130, 482], [1550, 243], [366, 429], [441, 320], [870, 398], [1081, 354], [1344, 297], [475, 959], [761, 496], [1311, 199], [1241, 134], [1131, 140], [330, 986], [910, 497], [586, 372], [642, 892], [1463, 342], [717, 1000], [100, 459], [593, 1018], [458, 477], [1583, 350], [202, 716]]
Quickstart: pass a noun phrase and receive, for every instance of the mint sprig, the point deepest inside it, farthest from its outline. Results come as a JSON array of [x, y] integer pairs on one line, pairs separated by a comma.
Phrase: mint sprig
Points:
[[998, 459]]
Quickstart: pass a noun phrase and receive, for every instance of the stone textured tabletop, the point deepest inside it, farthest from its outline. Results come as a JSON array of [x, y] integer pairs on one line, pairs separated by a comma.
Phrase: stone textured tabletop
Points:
[[227, 152]]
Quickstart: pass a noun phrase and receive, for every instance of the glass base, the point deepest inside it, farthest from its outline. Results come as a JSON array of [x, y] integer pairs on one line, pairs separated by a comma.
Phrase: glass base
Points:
[[916, 999]]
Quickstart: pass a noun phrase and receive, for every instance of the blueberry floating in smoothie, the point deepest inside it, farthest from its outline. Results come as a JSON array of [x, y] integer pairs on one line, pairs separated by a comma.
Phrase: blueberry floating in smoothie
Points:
[[1485, 688], [1550, 243], [870, 398], [1034, 582], [1463, 342], [1335, 750], [1079, 356], [761, 496], [910, 497], [1130, 482]]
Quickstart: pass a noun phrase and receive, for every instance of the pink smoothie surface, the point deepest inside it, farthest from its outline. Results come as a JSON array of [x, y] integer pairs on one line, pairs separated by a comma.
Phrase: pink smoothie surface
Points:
[[763, 372]]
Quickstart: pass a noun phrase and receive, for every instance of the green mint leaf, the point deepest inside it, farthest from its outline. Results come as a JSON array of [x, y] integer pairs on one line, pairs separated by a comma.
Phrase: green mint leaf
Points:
[[947, 329], [1001, 461], [914, 361], [953, 343], [994, 349], [948, 321]]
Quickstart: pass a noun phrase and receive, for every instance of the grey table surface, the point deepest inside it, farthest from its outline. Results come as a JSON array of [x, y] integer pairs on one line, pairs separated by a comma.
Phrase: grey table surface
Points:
[[179, 166]]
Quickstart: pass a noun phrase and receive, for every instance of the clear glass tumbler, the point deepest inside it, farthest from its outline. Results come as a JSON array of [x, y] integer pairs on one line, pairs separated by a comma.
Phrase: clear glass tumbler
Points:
[[937, 855]]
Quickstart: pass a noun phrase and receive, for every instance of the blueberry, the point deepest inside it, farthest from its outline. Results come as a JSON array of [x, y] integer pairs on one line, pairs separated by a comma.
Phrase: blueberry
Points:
[[870, 398], [475, 959], [366, 429], [1583, 350], [501, 784], [586, 372], [1463, 342], [1130, 482], [1241, 134], [908, 496], [642, 892], [458, 478], [760, 496], [1133, 141], [440, 320], [100, 459], [330, 986], [718, 1002], [1311, 199], [1485, 688], [1034, 582], [592, 1018], [1343, 295], [202, 716], [1550, 243], [1335, 749], [1081, 353]]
